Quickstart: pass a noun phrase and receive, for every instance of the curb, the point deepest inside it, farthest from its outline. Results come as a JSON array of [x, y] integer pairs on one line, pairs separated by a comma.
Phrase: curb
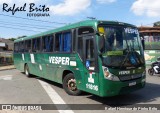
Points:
[[7, 68]]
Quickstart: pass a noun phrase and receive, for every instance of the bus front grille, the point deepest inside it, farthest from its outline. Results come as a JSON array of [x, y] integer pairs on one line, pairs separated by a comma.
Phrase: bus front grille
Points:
[[130, 77]]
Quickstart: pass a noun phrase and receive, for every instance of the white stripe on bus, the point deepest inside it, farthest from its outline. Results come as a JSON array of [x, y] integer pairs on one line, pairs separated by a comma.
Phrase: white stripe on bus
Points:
[[32, 58], [22, 56]]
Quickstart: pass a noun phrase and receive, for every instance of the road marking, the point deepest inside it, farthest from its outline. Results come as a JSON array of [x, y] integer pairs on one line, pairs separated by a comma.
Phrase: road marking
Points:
[[6, 77], [56, 99]]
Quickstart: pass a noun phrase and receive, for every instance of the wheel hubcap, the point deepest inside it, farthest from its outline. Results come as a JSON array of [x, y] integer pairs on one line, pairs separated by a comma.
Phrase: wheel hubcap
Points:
[[72, 84]]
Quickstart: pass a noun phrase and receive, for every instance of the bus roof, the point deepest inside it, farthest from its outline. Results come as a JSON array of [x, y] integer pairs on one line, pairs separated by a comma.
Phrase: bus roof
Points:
[[92, 23]]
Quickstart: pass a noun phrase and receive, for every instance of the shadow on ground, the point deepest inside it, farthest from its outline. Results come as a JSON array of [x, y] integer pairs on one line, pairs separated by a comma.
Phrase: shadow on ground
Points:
[[146, 95]]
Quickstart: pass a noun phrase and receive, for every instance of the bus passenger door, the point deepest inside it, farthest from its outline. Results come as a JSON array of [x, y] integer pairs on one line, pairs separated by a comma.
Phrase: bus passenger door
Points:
[[90, 65]]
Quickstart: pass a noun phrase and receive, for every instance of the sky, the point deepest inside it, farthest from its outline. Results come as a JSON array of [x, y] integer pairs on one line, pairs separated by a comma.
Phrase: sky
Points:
[[62, 12]]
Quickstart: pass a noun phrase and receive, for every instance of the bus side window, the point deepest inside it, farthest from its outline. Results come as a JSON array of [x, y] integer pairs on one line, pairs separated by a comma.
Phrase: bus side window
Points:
[[47, 43], [16, 47], [74, 40], [67, 42], [57, 42], [36, 45], [63, 42], [25, 45], [90, 54], [80, 47], [21, 46], [28, 46]]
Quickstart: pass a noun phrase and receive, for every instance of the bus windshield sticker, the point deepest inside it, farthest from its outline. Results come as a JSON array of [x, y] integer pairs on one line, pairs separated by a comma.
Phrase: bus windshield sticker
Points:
[[109, 53]]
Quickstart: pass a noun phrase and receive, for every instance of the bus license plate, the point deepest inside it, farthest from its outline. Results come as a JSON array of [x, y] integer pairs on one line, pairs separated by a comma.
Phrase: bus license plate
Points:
[[132, 83]]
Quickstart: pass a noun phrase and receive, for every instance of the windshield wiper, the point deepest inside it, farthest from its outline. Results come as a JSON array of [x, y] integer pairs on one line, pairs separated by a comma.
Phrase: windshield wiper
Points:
[[125, 59], [128, 52]]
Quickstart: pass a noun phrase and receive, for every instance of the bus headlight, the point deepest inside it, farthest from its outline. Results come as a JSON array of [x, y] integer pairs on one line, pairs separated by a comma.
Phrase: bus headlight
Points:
[[108, 75]]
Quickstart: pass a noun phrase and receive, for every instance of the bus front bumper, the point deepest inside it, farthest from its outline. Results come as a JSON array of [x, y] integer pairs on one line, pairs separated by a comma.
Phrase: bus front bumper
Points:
[[113, 88]]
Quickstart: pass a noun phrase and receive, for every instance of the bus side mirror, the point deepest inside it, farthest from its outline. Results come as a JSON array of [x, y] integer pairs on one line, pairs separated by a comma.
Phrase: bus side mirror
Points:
[[143, 44]]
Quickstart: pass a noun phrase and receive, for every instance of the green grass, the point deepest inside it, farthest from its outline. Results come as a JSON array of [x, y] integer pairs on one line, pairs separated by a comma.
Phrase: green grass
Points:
[[152, 45]]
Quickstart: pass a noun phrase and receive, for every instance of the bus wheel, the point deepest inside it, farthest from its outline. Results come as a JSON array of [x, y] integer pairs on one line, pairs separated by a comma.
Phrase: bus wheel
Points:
[[69, 85], [26, 70], [151, 71]]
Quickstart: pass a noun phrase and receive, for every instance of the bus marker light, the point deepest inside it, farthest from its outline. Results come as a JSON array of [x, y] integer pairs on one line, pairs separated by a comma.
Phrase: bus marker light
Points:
[[76, 68]]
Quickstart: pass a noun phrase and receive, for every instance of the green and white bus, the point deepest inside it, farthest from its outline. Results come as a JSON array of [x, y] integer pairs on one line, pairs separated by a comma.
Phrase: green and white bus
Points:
[[105, 58]]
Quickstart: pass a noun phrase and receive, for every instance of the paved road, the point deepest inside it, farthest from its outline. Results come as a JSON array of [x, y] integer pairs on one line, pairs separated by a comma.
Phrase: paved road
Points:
[[16, 88]]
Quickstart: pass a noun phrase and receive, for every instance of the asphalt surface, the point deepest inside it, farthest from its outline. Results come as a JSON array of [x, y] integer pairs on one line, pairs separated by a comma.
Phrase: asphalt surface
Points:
[[16, 88]]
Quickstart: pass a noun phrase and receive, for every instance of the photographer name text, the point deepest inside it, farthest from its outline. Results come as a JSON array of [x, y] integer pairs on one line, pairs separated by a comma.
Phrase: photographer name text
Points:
[[33, 10]]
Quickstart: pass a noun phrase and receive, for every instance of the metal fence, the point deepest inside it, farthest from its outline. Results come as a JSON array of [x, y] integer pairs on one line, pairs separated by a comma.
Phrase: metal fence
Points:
[[6, 58]]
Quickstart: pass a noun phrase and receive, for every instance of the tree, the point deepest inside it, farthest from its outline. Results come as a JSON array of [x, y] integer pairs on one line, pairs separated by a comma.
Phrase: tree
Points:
[[157, 24], [12, 39]]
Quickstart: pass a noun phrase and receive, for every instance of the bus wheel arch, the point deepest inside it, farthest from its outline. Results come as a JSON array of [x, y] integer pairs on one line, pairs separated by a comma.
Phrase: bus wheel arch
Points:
[[65, 73], [69, 83]]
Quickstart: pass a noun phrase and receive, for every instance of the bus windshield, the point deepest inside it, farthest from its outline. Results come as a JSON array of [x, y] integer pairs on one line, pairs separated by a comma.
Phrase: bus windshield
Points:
[[121, 47]]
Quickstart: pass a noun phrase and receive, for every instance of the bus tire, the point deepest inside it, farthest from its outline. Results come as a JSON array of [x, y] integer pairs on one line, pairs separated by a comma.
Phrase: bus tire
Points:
[[151, 71], [69, 85], [26, 71]]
